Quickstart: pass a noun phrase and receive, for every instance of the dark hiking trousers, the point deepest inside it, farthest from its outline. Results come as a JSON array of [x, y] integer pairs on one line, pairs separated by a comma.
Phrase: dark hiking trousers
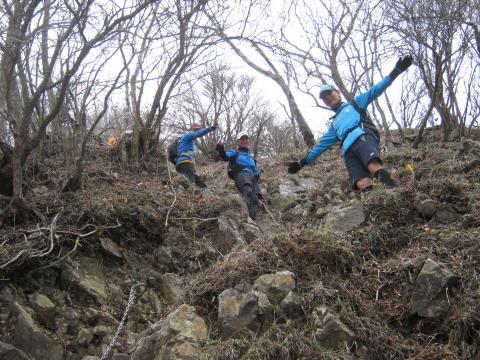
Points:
[[188, 170], [248, 186]]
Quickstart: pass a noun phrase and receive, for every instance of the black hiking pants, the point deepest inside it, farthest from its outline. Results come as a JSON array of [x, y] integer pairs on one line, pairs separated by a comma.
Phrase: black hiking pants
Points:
[[248, 187], [188, 170]]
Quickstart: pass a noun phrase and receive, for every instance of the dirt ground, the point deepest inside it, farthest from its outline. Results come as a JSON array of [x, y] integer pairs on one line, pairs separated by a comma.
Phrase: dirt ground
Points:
[[366, 276]]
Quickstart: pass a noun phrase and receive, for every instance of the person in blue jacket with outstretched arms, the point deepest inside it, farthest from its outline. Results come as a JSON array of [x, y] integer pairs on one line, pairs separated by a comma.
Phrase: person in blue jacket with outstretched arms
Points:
[[243, 169], [187, 145], [356, 133]]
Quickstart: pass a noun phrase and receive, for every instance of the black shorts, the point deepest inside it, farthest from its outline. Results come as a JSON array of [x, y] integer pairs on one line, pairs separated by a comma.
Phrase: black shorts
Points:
[[364, 150]]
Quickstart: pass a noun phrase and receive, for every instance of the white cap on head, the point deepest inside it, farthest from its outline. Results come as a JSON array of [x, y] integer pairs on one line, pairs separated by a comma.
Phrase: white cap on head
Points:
[[241, 135]]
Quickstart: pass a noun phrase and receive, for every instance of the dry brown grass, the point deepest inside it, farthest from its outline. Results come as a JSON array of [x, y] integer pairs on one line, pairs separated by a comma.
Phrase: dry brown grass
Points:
[[366, 276]]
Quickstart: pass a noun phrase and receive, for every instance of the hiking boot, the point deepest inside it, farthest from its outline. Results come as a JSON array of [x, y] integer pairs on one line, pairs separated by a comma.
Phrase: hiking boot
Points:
[[384, 177], [367, 189], [199, 182]]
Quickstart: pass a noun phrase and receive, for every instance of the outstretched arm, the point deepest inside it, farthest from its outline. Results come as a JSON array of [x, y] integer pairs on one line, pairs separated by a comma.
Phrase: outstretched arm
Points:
[[326, 142], [192, 135], [221, 152], [364, 99]]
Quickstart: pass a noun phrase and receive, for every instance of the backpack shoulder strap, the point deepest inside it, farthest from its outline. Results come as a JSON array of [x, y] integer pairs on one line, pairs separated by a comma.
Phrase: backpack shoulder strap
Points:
[[366, 122], [234, 157], [362, 112]]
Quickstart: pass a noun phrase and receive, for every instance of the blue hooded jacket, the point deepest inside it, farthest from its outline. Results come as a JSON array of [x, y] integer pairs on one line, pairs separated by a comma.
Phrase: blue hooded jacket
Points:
[[244, 158], [346, 118], [187, 144]]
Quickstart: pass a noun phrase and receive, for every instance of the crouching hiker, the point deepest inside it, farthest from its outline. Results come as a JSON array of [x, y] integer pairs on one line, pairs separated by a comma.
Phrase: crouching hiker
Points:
[[242, 168], [182, 153], [358, 136]]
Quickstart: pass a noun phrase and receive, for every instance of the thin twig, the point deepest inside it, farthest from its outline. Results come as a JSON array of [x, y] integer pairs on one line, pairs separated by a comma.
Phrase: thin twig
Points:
[[271, 215], [37, 253], [3, 243], [77, 243], [52, 227], [196, 218], [14, 259], [74, 233], [173, 189]]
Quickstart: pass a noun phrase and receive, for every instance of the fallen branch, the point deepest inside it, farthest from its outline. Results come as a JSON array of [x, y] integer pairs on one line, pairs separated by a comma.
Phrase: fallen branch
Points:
[[77, 244], [52, 227], [173, 189], [32, 252], [196, 218], [271, 215]]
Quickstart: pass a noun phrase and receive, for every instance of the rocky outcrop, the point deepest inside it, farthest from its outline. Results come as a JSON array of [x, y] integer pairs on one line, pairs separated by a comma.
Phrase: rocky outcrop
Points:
[[87, 285], [111, 249], [45, 309], [9, 352], [331, 332], [287, 187], [176, 337], [241, 310], [346, 219], [227, 237], [425, 206], [447, 214], [252, 232], [237, 312], [291, 305], [275, 286], [164, 258], [171, 288], [433, 295], [30, 339]]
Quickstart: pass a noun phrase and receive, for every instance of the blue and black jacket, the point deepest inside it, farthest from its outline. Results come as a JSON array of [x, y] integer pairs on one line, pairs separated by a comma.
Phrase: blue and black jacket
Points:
[[187, 145], [346, 122], [244, 159]]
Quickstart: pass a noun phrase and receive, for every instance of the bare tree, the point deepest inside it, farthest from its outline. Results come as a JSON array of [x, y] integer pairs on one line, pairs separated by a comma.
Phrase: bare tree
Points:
[[342, 43], [277, 138], [173, 42], [436, 34], [78, 29], [268, 68], [226, 99]]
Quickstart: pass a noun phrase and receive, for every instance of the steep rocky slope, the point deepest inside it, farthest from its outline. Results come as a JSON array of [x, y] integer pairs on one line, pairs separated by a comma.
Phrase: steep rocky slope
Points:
[[324, 273]]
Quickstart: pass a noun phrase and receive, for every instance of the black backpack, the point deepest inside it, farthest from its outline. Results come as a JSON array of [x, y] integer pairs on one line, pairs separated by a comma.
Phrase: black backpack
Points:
[[172, 151], [233, 168]]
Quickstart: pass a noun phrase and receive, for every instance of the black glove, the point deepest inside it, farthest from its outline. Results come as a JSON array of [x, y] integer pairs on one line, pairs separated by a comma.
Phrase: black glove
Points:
[[213, 127], [295, 167], [221, 152], [401, 65]]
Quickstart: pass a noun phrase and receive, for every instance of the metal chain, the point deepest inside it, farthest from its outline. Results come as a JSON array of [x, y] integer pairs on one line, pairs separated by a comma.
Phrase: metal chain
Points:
[[131, 300]]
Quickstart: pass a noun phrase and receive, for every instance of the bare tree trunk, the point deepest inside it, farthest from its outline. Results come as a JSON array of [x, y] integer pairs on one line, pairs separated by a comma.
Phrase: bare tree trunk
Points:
[[273, 74], [476, 32], [433, 98]]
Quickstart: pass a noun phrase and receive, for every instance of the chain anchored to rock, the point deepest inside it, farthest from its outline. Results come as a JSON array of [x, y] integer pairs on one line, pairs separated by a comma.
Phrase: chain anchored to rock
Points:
[[131, 301]]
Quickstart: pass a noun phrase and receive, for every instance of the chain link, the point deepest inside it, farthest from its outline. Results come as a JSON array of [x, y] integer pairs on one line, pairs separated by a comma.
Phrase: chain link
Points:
[[131, 300]]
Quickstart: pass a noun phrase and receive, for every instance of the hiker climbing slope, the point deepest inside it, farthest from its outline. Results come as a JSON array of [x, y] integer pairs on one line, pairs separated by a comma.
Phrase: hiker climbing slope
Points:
[[186, 148], [358, 136], [243, 169]]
